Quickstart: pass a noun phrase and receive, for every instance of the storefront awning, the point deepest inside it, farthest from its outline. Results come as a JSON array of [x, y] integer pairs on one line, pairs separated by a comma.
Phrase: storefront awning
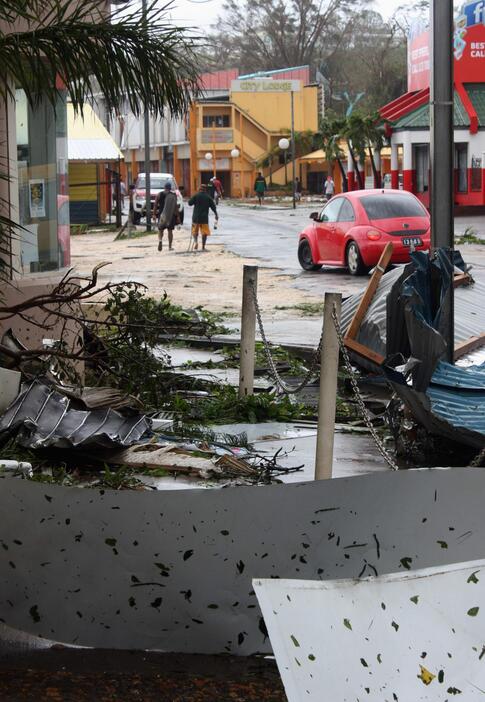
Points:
[[88, 139]]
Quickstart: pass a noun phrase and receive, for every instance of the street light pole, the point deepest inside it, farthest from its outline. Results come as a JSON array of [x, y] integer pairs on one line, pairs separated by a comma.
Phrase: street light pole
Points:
[[214, 148], [293, 147], [148, 205], [442, 143]]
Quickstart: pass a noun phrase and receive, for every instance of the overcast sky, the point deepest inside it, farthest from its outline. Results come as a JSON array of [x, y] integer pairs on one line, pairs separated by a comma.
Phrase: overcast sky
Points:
[[202, 13]]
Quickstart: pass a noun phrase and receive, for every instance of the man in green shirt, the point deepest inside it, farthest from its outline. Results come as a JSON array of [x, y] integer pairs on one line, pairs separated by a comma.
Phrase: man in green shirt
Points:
[[260, 187], [202, 203]]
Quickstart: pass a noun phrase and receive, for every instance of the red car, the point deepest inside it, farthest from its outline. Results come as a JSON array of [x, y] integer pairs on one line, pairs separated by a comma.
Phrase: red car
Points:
[[353, 229]]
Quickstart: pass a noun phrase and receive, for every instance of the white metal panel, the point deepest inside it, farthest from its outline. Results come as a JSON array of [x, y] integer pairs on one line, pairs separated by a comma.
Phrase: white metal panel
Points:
[[407, 637]]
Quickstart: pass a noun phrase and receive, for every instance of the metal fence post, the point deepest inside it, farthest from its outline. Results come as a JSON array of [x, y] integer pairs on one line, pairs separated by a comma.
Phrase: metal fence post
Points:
[[248, 332], [328, 388]]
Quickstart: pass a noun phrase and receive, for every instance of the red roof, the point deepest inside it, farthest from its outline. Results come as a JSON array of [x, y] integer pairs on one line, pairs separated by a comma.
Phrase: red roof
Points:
[[404, 104], [221, 80]]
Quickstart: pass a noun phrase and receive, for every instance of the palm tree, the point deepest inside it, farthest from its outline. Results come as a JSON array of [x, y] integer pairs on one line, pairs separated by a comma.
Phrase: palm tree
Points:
[[375, 140], [353, 132], [126, 56], [331, 134]]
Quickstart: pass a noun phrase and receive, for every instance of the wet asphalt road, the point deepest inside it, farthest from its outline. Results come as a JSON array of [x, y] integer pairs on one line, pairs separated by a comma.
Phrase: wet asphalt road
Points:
[[270, 234]]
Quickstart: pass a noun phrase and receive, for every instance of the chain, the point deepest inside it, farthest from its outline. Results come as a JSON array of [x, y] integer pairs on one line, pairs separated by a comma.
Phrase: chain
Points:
[[478, 460], [357, 394], [314, 361]]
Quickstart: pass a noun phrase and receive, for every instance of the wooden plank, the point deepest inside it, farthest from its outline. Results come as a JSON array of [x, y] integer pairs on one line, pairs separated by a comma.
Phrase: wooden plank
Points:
[[461, 279], [471, 344], [364, 351], [361, 310]]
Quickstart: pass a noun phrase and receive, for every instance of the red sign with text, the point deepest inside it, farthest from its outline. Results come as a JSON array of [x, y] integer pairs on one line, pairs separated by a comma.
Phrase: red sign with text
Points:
[[468, 50]]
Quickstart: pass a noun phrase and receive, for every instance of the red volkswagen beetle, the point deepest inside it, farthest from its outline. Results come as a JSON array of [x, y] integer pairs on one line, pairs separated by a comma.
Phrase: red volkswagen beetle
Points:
[[353, 229]]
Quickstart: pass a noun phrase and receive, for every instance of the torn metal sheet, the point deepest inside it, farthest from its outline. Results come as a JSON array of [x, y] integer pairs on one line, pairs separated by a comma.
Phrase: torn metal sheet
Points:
[[409, 636], [452, 406], [173, 570], [41, 417], [384, 330]]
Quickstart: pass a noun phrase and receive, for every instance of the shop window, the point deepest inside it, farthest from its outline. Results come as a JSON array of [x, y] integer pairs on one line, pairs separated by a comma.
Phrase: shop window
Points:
[[461, 167], [476, 173], [42, 183], [421, 160], [219, 121]]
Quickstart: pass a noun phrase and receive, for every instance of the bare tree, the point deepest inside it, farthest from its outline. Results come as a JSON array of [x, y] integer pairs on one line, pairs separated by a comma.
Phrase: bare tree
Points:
[[276, 34]]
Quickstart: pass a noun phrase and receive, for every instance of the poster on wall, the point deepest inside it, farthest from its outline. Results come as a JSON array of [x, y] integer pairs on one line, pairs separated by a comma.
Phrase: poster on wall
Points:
[[37, 197]]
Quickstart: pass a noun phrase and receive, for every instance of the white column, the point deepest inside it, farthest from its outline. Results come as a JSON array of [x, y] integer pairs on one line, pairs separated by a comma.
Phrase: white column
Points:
[[394, 156]]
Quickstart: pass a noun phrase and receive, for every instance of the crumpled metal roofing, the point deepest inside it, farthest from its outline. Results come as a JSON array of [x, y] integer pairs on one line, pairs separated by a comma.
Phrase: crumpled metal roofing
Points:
[[469, 311], [471, 378], [42, 417]]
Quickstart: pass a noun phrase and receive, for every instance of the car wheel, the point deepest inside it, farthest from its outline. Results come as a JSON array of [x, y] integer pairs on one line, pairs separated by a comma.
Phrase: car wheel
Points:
[[354, 260], [305, 257], [136, 217]]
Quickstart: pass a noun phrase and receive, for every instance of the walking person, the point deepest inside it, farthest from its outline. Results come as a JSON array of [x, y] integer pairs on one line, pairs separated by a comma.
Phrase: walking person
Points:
[[218, 189], [211, 188], [298, 189], [202, 203], [166, 212], [329, 188], [260, 187]]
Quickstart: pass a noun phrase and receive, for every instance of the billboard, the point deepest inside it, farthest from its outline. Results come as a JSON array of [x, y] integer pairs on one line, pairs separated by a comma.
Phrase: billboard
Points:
[[468, 49]]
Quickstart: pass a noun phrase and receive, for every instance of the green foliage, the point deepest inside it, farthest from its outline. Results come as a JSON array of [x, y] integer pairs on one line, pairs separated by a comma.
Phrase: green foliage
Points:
[[93, 52], [130, 327], [469, 236], [225, 407]]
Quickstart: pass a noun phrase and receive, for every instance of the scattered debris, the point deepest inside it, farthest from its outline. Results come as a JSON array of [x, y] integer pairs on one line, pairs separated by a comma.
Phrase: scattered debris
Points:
[[403, 325], [41, 417]]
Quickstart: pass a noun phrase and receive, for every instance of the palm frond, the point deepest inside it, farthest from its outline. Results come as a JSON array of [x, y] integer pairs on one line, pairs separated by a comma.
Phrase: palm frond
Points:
[[143, 59]]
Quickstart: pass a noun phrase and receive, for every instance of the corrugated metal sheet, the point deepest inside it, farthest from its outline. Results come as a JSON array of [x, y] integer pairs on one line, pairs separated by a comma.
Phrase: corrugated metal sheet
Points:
[[42, 417], [460, 408], [220, 80], [471, 378], [469, 312]]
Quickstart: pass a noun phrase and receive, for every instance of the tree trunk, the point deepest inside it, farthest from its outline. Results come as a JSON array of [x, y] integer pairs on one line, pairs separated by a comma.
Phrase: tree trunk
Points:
[[345, 182], [377, 179], [356, 166]]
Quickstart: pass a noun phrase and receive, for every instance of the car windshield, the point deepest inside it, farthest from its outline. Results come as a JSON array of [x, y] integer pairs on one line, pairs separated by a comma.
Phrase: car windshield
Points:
[[390, 206], [156, 183]]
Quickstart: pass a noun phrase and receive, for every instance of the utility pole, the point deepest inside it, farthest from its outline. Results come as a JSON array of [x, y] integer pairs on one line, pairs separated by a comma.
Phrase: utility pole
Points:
[[147, 141], [293, 147], [442, 143]]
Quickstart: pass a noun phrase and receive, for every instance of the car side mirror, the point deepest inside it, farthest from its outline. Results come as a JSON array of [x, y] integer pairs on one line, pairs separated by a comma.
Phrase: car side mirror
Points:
[[314, 216]]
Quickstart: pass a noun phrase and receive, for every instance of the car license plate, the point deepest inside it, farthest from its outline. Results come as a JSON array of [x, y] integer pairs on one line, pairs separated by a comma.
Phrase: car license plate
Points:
[[412, 241]]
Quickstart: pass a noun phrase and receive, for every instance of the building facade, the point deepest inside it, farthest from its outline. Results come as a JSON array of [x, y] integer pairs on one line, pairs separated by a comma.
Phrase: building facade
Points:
[[233, 137], [406, 120], [247, 113]]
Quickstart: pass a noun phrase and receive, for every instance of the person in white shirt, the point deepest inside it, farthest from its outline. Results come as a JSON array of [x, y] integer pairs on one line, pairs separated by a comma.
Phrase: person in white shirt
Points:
[[329, 187]]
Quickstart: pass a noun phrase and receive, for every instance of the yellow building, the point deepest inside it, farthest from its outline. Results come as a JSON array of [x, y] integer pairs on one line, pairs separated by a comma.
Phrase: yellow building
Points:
[[251, 120]]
